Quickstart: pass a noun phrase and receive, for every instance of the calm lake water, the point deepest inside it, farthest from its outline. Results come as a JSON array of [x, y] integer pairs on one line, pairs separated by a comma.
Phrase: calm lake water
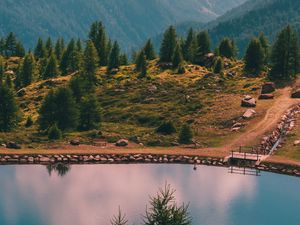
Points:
[[91, 194]]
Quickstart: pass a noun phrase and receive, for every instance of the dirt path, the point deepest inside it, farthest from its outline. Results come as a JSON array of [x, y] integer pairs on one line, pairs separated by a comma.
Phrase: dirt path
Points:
[[269, 122]]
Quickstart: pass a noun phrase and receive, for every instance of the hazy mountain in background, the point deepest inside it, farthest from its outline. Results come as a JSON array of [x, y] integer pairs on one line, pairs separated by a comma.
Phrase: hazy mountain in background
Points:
[[129, 21]]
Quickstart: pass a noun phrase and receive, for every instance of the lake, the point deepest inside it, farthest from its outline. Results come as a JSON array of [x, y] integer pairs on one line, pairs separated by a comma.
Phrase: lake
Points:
[[91, 194]]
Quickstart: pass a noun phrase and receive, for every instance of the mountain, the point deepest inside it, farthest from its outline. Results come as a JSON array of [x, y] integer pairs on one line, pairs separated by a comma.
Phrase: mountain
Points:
[[130, 21]]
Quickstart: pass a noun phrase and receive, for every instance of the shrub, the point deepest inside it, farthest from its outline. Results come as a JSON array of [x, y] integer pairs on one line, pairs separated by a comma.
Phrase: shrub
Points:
[[186, 135], [29, 121], [54, 133], [166, 128]]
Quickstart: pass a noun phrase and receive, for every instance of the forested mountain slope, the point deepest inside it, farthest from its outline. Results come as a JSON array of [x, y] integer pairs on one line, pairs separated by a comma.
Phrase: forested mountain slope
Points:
[[130, 21]]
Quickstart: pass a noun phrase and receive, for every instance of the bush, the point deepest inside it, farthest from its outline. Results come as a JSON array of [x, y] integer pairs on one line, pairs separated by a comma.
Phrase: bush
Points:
[[186, 135], [166, 128], [54, 133], [29, 121]]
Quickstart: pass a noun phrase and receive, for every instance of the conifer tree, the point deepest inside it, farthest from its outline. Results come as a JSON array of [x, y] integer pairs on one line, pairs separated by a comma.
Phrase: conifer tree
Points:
[[189, 46], [71, 60], [28, 70], [59, 107], [203, 47], [2, 46], [9, 111], [90, 62], [218, 65], [119, 219], [54, 133], [10, 44], [114, 57], [90, 113], [123, 60], [177, 57], [141, 64], [20, 50], [80, 87], [266, 47], [59, 49], [49, 46], [149, 50], [254, 58], [51, 68], [2, 69], [185, 135], [168, 45], [79, 45], [40, 50], [285, 55], [94, 32], [227, 48]]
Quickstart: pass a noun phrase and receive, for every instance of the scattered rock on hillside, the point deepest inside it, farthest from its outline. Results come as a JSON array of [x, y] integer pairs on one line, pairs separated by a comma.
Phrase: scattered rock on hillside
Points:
[[268, 88], [248, 101], [122, 143], [249, 114], [75, 142], [296, 94], [9, 72], [297, 143], [152, 88], [266, 96], [13, 145]]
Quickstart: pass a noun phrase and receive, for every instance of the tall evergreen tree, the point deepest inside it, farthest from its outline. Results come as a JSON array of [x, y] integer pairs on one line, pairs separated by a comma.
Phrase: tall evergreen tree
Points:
[[218, 65], [90, 113], [227, 48], [10, 45], [203, 47], [254, 58], [189, 47], [141, 64], [49, 46], [149, 50], [114, 57], [9, 111], [168, 45], [51, 68], [40, 50], [20, 50], [59, 107], [59, 49], [90, 62], [285, 55], [71, 60], [28, 70], [2, 69], [266, 47], [123, 59], [185, 135], [2, 46], [177, 57]]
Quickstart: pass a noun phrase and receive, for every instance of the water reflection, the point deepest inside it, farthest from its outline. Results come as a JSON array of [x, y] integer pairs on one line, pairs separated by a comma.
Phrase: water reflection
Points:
[[91, 194], [60, 168]]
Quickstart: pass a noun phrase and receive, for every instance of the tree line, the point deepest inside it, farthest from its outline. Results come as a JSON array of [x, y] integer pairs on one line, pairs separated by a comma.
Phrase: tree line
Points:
[[75, 106]]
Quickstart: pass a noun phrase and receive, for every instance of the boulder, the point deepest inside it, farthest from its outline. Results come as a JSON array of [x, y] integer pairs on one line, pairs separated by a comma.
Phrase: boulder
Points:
[[248, 101], [249, 114], [296, 94], [122, 143], [268, 88], [266, 96], [152, 88], [21, 92], [297, 143], [75, 142], [13, 145]]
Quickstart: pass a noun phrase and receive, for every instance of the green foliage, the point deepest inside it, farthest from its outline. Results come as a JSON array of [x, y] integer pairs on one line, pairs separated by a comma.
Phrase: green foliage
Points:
[[71, 60], [141, 64], [255, 57], [149, 50], [9, 111], [29, 122], [285, 55], [54, 133], [227, 48], [28, 70], [90, 63], [119, 219], [59, 48], [219, 66], [114, 57], [90, 113], [265, 46], [166, 128], [10, 45], [190, 46], [40, 50], [49, 47], [164, 210], [80, 87], [59, 107], [20, 50], [168, 45], [203, 47], [185, 135], [52, 69], [177, 57], [123, 60]]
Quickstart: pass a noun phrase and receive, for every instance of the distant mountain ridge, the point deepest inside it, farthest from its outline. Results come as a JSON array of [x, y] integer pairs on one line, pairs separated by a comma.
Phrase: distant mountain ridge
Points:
[[129, 21]]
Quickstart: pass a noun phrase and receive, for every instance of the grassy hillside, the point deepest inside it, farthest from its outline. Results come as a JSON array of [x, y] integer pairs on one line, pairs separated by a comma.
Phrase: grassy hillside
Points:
[[131, 22], [134, 108]]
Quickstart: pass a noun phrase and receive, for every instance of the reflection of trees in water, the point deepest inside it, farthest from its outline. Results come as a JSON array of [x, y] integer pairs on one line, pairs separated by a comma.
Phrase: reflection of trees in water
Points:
[[60, 168]]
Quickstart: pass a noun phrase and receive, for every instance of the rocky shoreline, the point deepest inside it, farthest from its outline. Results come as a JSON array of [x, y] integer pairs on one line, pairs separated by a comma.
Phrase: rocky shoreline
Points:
[[137, 158]]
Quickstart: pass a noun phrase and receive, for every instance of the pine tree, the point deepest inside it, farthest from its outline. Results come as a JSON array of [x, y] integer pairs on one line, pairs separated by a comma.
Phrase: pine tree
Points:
[[168, 45], [254, 58], [141, 64], [54, 133], [123, 60], [80, 87], [49, 47], [114, 57], [40, 50], [119, 219], [79, 45], [59, 107], [10, 45], [266, 47], [90, 62], [177, 57], [285, 55], [90, 113], [51, 68], [20, 50], [219, 66], [9, 111], [203, 47], [227, 48], [94, 32], [71, 60], [2, 69], [2, 46], [59, 49], [189, 47], [186, 135], [149, 50], [28, 70]]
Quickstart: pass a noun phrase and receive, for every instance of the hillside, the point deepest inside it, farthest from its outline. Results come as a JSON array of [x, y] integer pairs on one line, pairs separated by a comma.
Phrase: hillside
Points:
[[131, 22]]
